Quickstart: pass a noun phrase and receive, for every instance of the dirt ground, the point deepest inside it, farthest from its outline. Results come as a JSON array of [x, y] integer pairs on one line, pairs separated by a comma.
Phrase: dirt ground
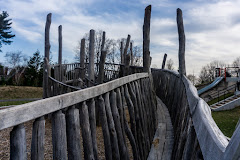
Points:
[[5, 142]]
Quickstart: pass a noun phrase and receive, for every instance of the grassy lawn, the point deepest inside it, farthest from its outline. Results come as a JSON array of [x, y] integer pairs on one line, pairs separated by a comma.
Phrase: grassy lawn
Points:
[[13, 103], [19, 92], [227, 120], [220, 98]]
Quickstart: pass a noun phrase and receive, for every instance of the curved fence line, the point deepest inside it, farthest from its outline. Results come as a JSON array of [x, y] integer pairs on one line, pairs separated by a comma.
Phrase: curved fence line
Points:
[[191, 117]]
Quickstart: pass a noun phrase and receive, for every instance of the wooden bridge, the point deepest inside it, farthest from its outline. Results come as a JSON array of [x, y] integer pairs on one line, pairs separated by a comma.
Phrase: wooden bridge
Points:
[[167, 119]]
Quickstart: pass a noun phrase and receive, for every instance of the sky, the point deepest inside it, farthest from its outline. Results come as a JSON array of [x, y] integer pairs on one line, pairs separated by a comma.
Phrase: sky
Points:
[[212, 27]]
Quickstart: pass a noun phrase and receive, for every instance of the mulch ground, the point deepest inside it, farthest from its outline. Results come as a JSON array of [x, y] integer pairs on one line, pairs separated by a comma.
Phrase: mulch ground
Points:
[[5, 141]]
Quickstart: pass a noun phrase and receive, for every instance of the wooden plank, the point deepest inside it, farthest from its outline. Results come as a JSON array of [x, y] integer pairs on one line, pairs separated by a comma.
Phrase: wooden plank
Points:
[[146, 39], [111, 126], [18, 149], [117, 121], [92, 120], [73, 134], [105, 129], [59, 138], [23, 113], [37, 145], [181, 37], [86, 132]]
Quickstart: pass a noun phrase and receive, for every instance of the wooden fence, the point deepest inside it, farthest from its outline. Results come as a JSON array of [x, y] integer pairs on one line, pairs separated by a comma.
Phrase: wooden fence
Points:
[[196, 135], [110, 98]]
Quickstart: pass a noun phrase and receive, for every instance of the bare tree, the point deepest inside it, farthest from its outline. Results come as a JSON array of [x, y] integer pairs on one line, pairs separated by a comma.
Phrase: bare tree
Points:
[[14, 58], [169, 64], [192, 78]]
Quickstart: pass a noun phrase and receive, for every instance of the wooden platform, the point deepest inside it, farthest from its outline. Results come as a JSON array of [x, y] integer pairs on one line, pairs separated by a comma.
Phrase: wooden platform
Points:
[[164, 137]]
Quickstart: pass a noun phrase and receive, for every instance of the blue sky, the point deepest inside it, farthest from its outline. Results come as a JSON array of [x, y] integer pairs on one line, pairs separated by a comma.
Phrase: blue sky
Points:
[[212, 27]]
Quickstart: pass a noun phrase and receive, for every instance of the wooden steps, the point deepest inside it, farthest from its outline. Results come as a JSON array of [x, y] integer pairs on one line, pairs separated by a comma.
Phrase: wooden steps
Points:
[[223, 102]]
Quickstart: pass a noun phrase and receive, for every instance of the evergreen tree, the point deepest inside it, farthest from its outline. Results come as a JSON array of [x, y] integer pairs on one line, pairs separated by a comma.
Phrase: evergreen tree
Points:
[[34, 72], [5, 26]]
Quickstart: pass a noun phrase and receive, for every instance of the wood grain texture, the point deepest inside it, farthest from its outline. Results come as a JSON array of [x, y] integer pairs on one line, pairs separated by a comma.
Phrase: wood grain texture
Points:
[[17, 115], [18, 148], [38, 134]]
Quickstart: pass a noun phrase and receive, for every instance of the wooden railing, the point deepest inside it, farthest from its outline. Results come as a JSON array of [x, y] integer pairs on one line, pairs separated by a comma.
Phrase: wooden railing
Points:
[[196, 135], [135, 90]]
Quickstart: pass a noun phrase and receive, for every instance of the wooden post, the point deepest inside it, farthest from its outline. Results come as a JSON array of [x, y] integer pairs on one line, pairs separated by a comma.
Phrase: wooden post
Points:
[[91, 57], [111, 126], [38, 132], [131, 53], [101, 67], [59, 138], [47, 51], [164, 61], [146, 39], [181, 37], [60, 51], [82, 56], [73, 134], [126, 48], [121, 52], [86, 132], [105, 129], [117, 121], [18, 149], [92, 120], [127, 65]]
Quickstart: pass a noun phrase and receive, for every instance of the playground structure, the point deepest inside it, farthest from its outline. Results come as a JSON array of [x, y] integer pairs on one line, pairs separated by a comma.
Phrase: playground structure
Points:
[[74, 99]]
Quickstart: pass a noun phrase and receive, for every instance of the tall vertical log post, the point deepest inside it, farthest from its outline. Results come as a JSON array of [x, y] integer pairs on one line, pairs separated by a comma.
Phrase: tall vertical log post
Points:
[[181, 37], [126, 48], [164, 61], [102, 60], [38, 131], [82, 56], [121, 52], [60, 51], [91, 57], [126, 59], [46, 57], [131, 53], [146, 39]]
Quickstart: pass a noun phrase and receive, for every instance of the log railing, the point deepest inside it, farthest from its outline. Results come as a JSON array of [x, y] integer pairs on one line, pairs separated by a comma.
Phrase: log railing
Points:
[[109, 99], [196, 135]]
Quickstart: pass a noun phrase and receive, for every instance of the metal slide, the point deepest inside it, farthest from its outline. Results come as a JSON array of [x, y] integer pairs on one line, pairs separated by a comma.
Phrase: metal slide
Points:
[[213, 84]]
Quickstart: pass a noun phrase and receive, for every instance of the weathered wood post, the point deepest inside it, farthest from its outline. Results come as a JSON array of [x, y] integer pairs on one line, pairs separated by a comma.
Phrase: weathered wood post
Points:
[[18, 147], [102, 61], [181, 37], [91, 57], [60, 52], [121, 52], [146, 39], [38, 131], [101, 67], [126, 48], [82, 56], [131, 53], [46, 51], [164, 61]]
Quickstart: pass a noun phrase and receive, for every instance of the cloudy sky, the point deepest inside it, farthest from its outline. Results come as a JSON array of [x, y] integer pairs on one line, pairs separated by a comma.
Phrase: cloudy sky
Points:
[[212, 27]]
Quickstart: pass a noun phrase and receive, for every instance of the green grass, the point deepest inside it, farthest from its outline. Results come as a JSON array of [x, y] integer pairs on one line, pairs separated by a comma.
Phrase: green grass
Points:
[[227, 120], [220, 98], [13, 103]]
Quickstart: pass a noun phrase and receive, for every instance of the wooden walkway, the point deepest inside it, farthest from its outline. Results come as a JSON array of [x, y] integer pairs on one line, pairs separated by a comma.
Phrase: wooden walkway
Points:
[[164, 137]]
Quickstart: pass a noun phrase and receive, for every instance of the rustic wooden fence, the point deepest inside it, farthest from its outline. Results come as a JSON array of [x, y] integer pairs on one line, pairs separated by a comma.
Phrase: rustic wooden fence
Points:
[[108, 97], [196, 135]]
